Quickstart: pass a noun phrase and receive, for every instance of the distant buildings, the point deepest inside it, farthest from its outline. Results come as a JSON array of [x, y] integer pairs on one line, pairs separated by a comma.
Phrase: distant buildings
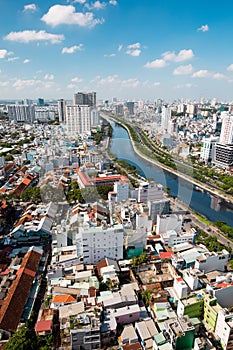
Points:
[[85, 98], [21, 113]]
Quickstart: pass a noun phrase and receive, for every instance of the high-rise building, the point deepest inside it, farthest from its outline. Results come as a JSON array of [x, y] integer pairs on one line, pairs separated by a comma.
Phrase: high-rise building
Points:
[[21, 113], [130, 107], [85, 98], [40, 102], [223, 155], [226, 136], [165, 120], [207, 150], [61, 110], [78, 119]]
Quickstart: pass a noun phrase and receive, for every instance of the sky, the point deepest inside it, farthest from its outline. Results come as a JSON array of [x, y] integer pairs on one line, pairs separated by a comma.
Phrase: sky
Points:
[[128, 49]]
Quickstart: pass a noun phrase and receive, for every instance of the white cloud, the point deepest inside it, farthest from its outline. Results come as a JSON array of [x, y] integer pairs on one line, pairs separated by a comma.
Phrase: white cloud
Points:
[[218, 76], [27, 36], [183, 55], [49, 77], [134, 46], [130, 83], [71, 86], [108, 80], [26, 61], [59, 14], [230, 68], [134, 50], [12, 59], [110, 55], [97, 5], [120, 47], [76, 80], [4, 83], [203, 28], [113, 2], [30, 7], [159, 63], [21, 83], [183, 70], [4, 53], [80, 1], [72, 49], [134, 53], [203, 73], [182, 86], [157, 83]]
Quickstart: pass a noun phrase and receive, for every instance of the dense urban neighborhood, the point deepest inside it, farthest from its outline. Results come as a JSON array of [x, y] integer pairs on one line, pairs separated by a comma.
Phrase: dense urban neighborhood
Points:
[[95, 256]]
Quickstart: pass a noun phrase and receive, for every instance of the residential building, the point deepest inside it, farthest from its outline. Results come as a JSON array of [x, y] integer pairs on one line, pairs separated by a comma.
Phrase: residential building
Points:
[[21, 113], [85, 98], [226, 136], [207, 150], [181, 332], [223, 155], [78, 119], [99, 242], [224, 328], [166, 120], [210, 261]]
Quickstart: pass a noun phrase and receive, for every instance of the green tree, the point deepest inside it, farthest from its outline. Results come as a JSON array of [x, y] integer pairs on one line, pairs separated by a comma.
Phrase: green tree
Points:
[[23, 339], [147, 296]]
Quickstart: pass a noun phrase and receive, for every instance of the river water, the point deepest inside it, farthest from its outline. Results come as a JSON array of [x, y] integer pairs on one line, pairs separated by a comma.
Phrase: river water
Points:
[[202, 202]]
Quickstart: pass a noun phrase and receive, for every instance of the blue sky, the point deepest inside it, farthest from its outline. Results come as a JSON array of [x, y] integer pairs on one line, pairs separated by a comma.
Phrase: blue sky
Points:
[[128, 49]]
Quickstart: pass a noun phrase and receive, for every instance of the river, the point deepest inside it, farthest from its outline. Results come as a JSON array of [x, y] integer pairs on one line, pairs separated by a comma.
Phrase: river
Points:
[[202, 202]]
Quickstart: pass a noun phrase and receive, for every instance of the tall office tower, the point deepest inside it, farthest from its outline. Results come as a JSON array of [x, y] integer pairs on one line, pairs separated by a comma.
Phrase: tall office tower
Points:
[[28, 102], [226, 136], [85, 98], [21, 113], [78, 119], [166, 119], [40, 102], [61, 110], [191, 109], [130, 107]]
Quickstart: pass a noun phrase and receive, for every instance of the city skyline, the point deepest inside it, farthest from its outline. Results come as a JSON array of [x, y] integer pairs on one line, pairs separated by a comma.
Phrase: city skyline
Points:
[[123, 49]]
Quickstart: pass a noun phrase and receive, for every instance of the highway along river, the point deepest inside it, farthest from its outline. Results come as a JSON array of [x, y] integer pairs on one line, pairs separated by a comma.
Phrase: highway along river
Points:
[[202, 202]]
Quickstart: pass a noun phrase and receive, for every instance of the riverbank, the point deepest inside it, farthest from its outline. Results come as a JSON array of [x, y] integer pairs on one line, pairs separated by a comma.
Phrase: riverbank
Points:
[[226, 198]]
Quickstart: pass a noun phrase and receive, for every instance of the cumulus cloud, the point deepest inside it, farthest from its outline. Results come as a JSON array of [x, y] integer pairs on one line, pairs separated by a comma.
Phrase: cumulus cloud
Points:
[[4, 83], [203, 28], [71, 86], [202, 73], [65, 14], [30, 7], [27, 36], [80, 1], [72, 49], [49, 77], [183, 55], [22, 83], [158, 63], [113, 2], [230, 68], [130, 83], [26, 61], [76, 80], [187, 86], [97, 5], [4, 53], [134, 50], [183, 70]]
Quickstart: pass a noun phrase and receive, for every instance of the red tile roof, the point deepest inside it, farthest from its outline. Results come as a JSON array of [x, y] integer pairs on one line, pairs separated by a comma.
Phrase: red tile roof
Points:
[[18, 293], [166, 255], [43, 326], [63, 299]]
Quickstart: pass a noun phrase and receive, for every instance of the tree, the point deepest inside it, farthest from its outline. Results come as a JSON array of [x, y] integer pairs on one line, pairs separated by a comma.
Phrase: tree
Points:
[[23, 339], [147, 296]]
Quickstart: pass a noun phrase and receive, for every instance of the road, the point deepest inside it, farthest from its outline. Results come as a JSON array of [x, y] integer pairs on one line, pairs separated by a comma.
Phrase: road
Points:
[[210, 230]]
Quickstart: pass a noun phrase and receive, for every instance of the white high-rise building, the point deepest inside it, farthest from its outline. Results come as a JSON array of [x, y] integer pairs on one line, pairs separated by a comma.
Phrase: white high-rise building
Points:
[[165, 120], [207, 150], [226, 136], [85, 98], [21, 113], [99, 242], [78, 119]]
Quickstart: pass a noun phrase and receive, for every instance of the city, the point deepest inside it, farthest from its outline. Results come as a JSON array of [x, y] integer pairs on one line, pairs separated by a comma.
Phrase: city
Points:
[[116, 175]]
